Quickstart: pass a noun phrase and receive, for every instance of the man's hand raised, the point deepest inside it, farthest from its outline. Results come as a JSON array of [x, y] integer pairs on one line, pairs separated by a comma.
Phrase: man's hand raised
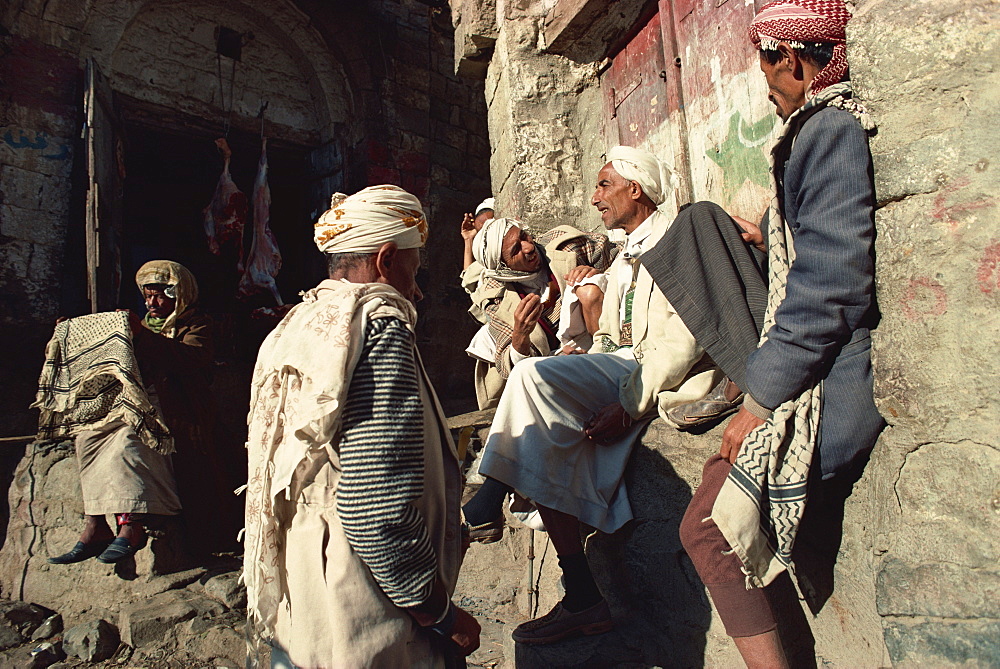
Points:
[[526, 316], [468, 227], [742, 424]]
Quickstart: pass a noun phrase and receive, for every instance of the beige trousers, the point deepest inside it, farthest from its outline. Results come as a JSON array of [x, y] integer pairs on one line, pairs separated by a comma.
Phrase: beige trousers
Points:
[[120, 474]]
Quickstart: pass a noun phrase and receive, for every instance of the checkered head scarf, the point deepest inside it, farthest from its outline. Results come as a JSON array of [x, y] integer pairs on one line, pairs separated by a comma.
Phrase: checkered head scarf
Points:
[[363, 222], [800, 21]]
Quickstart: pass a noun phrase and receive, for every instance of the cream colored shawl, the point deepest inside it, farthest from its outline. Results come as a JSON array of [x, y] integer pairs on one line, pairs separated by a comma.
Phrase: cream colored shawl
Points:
[[299, 385]]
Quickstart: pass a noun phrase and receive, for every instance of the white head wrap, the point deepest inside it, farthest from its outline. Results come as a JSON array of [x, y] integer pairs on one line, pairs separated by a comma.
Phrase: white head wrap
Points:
[[488, 242], [488, 203], [487, 249], [655, 177], [363, 222]]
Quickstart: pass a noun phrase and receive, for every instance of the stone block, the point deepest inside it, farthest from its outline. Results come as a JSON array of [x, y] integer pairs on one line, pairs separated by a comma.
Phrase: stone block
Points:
[[939, 643], [946, 494], [94, 641], [22, 617], [451, 136], [45, 655], [51, 626], [9, 637], [938, 589], [31, 225], [33, 190], [227, 589], [151, 620]]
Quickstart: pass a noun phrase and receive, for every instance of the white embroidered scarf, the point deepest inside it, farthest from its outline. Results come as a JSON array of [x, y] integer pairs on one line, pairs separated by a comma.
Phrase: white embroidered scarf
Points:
[[299, 385]]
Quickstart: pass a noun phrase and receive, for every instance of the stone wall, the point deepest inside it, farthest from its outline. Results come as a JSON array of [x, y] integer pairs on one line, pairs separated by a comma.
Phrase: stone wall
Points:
[[931, 73], [916, 578]]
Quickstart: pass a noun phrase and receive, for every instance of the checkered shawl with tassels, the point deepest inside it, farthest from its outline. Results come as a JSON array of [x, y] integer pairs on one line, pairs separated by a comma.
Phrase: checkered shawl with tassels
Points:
[[91, 378], [761, 504]]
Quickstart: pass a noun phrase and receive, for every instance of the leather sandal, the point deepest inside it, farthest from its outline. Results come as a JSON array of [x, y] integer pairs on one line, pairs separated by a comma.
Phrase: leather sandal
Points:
[[713, 407], [81, 552]]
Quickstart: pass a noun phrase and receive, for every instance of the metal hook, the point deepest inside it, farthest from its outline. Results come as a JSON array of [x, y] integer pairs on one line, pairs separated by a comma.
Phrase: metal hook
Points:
[[260, 115]]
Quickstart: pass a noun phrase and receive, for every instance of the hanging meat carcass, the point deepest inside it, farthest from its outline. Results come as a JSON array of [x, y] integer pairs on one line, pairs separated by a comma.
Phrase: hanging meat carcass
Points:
[[264, 260], [226, 214]]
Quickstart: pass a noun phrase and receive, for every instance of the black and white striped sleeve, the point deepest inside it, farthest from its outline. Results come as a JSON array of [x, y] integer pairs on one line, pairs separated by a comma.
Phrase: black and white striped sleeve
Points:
[[382, 466]]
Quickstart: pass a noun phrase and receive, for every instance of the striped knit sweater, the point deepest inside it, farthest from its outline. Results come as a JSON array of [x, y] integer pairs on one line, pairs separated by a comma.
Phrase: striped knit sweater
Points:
[[381, 459]]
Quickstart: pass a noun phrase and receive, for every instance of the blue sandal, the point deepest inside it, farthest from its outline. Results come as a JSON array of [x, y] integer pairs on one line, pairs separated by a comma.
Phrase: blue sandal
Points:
[[81, 552], [119, 549]]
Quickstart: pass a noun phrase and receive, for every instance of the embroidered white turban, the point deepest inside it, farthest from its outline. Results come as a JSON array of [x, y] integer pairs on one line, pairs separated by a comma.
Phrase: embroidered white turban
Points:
[[363, 222], [488, 242], [643, 167], [488, 203]]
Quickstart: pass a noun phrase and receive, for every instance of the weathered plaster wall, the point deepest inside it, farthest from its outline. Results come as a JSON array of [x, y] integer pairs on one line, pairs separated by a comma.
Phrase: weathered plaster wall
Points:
[[540, 128], [916, 576], [931, 73]]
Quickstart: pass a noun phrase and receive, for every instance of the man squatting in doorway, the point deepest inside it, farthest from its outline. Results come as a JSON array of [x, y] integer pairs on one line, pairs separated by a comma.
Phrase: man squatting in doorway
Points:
[[524, 286], [808, 412]]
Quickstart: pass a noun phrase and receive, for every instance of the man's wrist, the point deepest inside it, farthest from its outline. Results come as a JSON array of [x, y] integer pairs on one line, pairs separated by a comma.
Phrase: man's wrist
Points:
[[446, 624], [755, 408]]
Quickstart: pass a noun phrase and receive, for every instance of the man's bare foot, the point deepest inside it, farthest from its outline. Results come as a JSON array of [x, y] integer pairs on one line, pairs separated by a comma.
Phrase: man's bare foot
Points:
[[96, 529], [134, 532]]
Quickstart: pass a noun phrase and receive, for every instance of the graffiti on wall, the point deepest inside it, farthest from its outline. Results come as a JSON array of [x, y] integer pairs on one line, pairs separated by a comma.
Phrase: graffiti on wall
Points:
[[30, 140], [740, 155]]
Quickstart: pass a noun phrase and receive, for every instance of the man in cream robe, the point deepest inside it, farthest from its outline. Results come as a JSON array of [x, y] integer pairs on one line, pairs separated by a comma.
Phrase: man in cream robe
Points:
[[353, 538], [565, 426]]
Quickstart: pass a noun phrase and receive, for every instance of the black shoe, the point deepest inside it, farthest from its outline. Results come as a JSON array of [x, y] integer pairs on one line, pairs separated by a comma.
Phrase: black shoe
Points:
[[120, 549], [80, 552]]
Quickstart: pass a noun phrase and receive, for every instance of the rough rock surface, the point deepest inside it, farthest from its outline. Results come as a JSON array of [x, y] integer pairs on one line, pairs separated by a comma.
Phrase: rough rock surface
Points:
[[930, 71], [93, 641]]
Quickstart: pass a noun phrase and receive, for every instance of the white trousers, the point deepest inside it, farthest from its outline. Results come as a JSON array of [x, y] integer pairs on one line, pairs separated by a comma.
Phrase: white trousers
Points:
[[537, 444], [120, 474]]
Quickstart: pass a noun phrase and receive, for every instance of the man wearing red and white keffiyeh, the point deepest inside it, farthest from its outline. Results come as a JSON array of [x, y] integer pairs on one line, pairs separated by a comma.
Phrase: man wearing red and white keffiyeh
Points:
[[808, 417]]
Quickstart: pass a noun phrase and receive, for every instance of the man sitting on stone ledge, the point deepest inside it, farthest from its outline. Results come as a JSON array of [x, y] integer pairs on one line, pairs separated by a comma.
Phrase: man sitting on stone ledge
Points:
[[565, 425], [90, 388]]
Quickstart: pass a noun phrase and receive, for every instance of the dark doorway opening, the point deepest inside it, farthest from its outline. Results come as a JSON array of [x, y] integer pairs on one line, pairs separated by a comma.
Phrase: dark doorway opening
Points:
[[170, 177]]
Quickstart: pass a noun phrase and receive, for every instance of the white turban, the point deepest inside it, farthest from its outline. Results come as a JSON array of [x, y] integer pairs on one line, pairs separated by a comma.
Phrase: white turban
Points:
[[488, 242], [363, 222], [488, 203], [644, 168]]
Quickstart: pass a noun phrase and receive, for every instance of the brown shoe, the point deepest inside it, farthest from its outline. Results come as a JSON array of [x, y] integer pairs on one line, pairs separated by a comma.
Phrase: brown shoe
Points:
[[560, 624], [714, 406], [487, 533]]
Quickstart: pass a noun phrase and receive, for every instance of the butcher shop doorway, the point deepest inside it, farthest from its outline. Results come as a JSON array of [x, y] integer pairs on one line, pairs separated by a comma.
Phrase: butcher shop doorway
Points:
[[170, 177]]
